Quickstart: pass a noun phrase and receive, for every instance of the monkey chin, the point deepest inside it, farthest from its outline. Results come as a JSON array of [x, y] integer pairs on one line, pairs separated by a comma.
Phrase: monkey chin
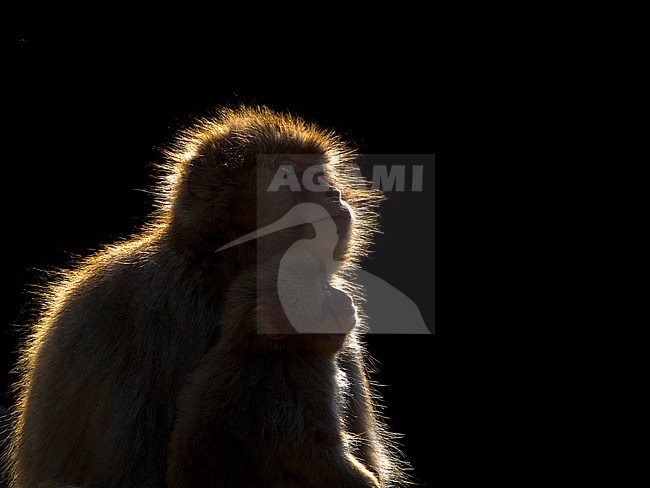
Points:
[[341, 321]]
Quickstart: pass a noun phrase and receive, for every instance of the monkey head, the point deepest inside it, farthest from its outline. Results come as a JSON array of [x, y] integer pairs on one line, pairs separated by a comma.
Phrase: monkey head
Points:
[[252, 188], [287, 182], [242, 171]]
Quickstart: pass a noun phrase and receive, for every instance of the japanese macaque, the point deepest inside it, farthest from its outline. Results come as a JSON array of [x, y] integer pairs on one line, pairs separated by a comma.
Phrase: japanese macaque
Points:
[[187, 356]]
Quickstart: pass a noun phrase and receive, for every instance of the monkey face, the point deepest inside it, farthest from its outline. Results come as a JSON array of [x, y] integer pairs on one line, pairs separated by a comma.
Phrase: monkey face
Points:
[[285, 183], [234, 178]]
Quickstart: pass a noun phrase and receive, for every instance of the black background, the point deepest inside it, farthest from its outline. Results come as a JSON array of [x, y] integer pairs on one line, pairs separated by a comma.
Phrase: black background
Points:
[[85, 110]]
